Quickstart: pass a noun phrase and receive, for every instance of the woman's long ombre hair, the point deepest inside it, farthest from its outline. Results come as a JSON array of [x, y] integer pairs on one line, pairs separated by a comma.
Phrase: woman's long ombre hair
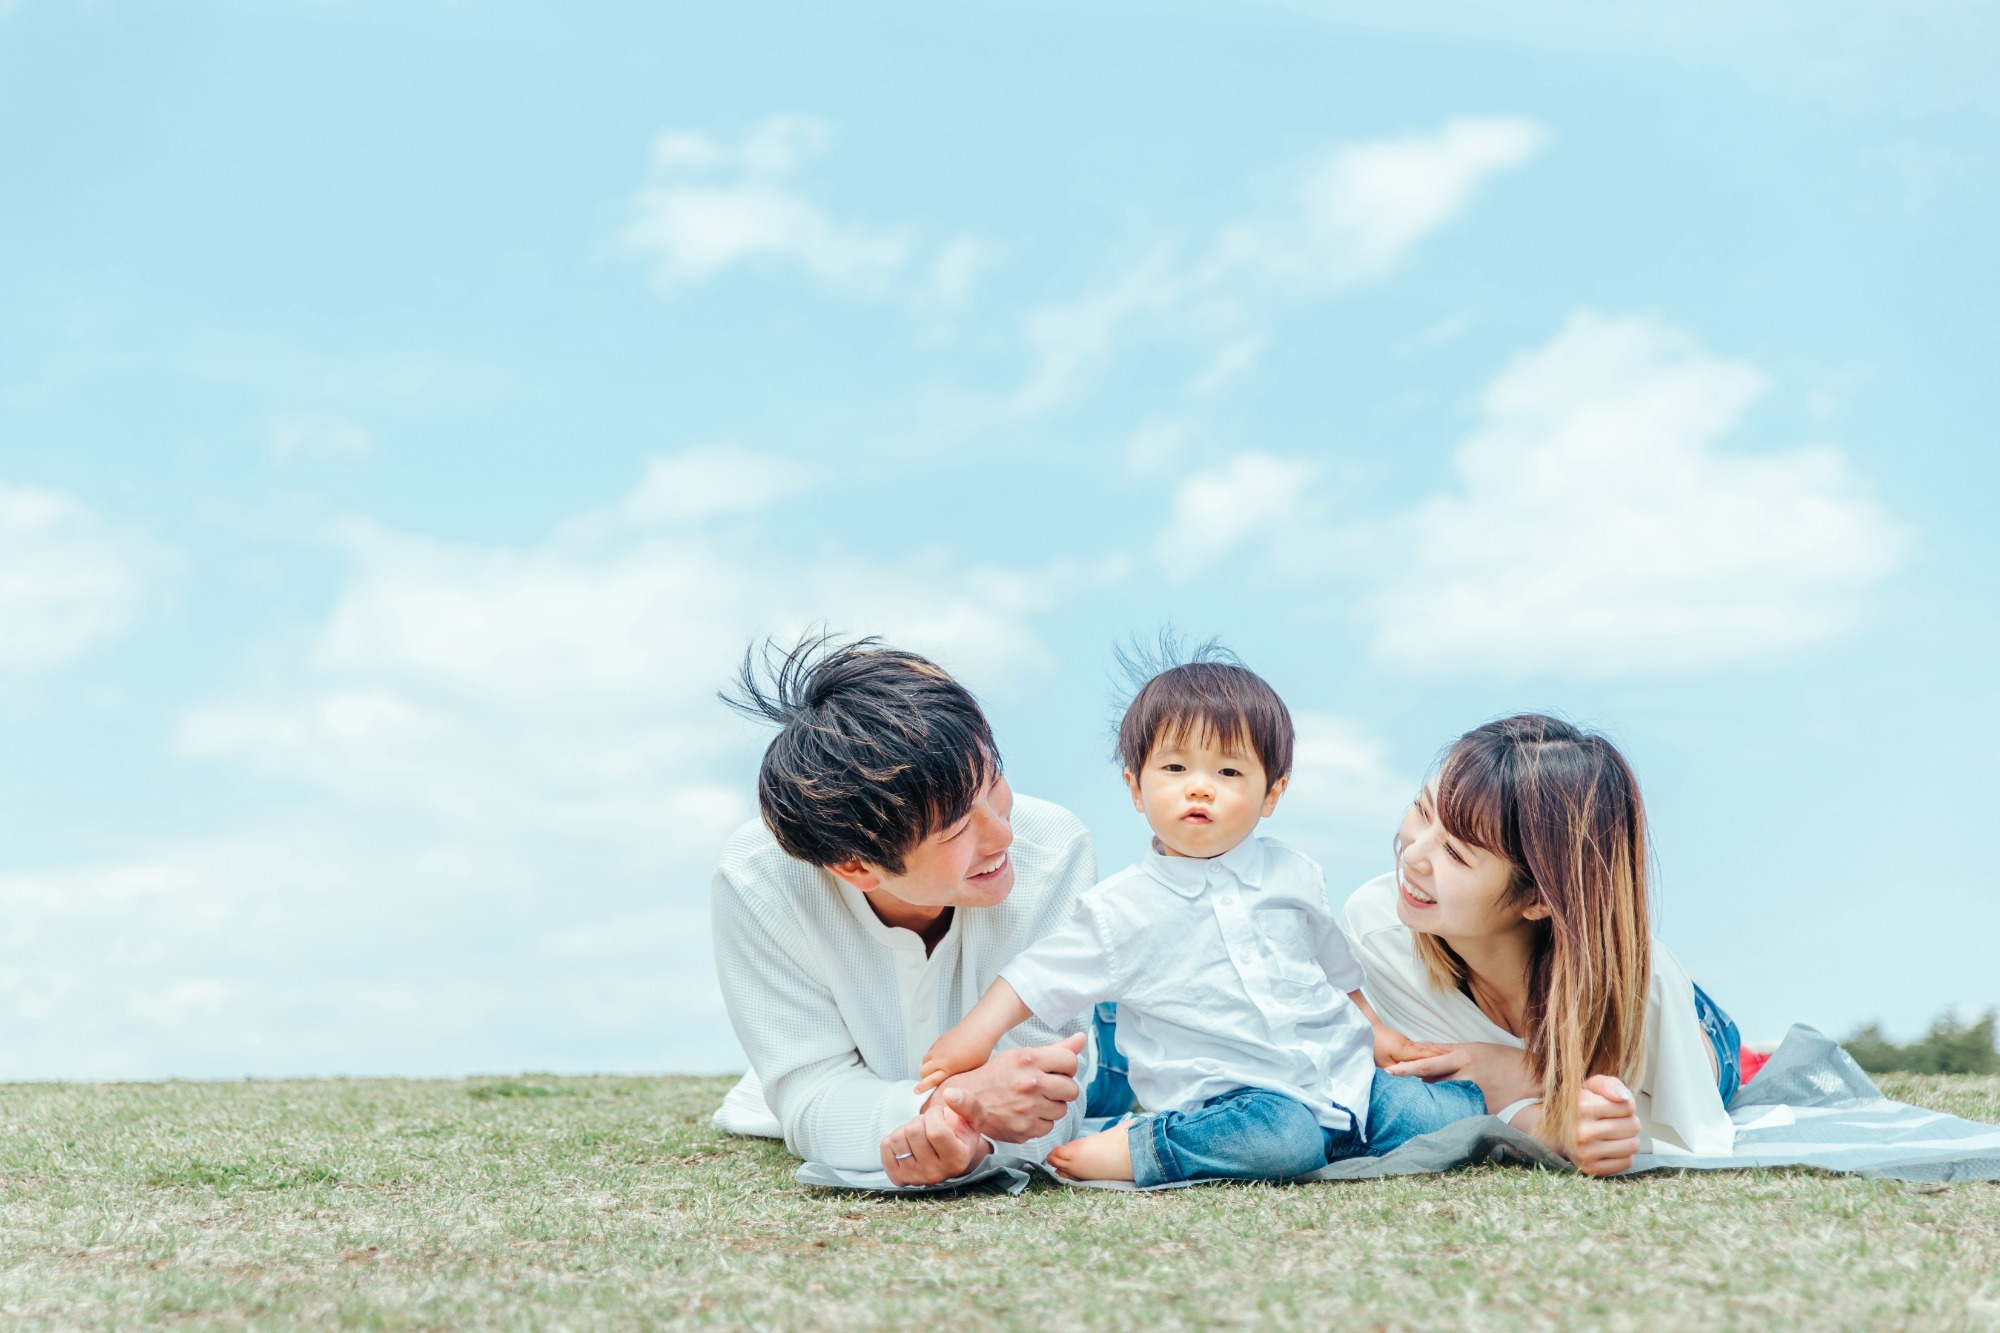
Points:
[[1562, 806]]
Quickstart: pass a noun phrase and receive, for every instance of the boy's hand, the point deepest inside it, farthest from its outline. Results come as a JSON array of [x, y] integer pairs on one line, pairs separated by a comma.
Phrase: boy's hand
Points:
[[1392, 1047], [954, 1053]]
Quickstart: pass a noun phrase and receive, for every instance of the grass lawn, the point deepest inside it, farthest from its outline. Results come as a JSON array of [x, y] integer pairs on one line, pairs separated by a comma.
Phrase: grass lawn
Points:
[[580, 1202]]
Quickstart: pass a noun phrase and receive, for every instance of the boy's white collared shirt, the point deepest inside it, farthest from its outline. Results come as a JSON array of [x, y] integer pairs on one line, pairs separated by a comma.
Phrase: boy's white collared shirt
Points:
[[1229, 973]]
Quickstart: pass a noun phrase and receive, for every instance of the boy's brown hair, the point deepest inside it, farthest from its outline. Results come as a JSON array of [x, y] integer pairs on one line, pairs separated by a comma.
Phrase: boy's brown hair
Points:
[[1203, 691]]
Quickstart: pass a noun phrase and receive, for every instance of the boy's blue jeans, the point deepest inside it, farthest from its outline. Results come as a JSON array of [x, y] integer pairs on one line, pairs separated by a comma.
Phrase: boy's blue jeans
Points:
[[1254, 1134]]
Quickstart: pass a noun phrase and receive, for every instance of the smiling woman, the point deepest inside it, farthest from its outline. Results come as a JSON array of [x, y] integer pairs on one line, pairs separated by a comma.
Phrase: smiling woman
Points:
[[1515, 925]]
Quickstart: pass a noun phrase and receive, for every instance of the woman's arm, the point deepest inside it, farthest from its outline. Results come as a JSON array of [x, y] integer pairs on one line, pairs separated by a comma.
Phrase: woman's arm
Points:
[[1607, 1118], [1501, 1072]]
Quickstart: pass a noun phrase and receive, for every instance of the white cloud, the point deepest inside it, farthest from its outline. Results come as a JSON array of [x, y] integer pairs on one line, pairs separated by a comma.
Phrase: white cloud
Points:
[[774, 146], [69, 580], [1229, 365], [1156, 448], [1344, 798], [1216, 511], [1356, 212], [697, 484], [302, 435], [515, 779], [1600, 528], [694, 229], [694, 232], [1360, 209], [957, 270], [1071, 338]]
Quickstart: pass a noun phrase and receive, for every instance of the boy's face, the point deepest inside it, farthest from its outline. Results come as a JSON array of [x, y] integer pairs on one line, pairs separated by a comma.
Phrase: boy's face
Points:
[[1201, 797]]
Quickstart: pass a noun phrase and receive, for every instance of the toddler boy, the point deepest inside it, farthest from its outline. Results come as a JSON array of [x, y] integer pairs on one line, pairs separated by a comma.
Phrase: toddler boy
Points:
[[1239, 1003]]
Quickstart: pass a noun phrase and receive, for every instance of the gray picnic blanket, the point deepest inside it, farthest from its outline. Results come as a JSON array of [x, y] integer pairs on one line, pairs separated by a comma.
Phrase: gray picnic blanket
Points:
[[1810, 1105]]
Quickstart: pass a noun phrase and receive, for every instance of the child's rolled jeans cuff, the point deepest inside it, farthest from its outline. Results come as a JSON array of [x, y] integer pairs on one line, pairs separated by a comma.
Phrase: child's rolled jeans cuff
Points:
[[1151, 1160]]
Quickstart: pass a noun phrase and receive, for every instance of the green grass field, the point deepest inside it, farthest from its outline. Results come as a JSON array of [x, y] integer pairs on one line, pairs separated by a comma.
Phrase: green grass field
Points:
[[609, 1202]]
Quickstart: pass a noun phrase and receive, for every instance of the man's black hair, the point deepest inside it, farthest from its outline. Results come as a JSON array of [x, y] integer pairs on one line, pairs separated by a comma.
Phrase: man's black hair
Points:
[[877, 749], [1204, 690]]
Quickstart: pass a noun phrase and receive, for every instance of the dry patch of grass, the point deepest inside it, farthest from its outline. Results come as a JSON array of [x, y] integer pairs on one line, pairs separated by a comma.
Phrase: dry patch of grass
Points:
[[605, 1202]]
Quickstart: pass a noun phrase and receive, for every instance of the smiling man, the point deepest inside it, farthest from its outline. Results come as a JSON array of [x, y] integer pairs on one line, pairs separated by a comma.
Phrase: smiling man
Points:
[[892, 876]]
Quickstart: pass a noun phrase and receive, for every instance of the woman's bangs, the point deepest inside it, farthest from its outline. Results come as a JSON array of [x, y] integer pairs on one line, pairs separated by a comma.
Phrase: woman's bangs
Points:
[[1472, 798]]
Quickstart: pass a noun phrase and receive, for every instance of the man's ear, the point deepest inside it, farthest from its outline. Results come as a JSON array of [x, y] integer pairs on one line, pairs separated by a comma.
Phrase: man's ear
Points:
[[859, 873], [1271, 796], [1132, 785]]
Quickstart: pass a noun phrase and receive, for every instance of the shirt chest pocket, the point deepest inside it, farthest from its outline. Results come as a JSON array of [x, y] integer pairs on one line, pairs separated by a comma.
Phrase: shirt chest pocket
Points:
[[1289, 940]]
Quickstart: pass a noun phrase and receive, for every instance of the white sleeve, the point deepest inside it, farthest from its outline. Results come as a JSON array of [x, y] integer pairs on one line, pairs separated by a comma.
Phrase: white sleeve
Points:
[[1065, 972], [832, 1109], [1074, 872], [1684, 1106], [1335, 954]]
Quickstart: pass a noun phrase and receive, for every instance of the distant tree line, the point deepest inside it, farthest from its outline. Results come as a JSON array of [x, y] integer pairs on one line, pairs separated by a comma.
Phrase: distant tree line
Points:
[[1950, 1047]]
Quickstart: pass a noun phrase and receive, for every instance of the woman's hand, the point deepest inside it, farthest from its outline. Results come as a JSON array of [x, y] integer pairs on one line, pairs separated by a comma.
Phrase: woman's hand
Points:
[[1607, 1127], [1500, 1071]]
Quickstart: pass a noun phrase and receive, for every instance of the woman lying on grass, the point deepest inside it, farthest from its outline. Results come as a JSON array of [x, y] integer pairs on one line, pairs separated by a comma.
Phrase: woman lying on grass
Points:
[[1514, 931]]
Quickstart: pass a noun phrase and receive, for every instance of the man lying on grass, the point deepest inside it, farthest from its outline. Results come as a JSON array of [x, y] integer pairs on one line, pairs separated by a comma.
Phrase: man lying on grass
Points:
[[891, 878]]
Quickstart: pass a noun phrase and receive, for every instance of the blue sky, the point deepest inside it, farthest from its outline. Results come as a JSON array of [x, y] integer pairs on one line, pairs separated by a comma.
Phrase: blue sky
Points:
[[407, 412]]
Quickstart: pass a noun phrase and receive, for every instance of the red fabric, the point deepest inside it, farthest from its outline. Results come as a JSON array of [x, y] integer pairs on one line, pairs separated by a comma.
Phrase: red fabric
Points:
[[1752, 1062]]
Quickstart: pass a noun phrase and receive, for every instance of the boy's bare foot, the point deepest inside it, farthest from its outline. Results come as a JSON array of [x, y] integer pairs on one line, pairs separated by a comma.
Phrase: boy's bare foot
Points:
[[1106, 1155]]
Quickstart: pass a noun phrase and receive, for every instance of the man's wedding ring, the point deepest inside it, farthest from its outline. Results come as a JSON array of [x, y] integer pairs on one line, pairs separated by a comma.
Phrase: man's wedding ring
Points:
[[904, 1156]]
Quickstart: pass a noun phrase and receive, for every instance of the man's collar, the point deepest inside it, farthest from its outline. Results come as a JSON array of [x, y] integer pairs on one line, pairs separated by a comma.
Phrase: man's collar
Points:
[[896, 937], [1188, 875]]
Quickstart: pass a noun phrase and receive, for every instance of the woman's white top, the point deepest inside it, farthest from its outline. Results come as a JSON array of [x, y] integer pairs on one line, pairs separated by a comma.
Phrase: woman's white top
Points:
[[1679, 1108], [1230, 972], [835, 1009]]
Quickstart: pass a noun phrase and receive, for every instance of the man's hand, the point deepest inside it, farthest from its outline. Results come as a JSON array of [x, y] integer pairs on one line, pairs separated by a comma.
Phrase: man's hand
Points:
[[958, 1051], [1500, 1071], [1392, 1047], [1019, 1094], [936, 1146]]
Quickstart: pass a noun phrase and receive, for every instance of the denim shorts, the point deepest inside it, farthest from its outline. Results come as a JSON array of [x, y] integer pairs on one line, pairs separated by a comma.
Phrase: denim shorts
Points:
[[1728, 1044]]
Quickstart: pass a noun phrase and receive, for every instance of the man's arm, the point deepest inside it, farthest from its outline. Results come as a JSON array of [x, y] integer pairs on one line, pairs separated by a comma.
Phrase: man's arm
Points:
[[832, 1108]]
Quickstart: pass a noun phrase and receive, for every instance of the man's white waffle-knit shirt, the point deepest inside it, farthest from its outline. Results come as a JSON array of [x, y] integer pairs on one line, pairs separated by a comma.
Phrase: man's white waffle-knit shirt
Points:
[[836, 1009]]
